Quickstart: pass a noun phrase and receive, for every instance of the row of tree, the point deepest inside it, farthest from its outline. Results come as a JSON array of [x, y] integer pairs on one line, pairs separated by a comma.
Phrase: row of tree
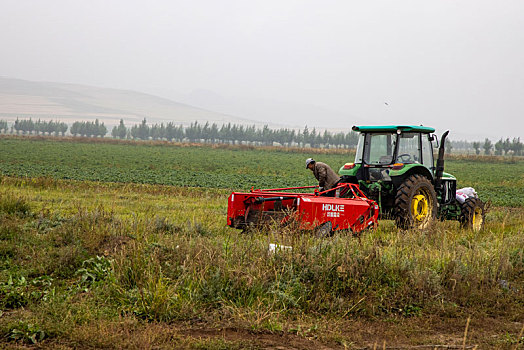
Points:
[[195, 132], [233, 133], [88, 129], [501, 147], [28, 126]]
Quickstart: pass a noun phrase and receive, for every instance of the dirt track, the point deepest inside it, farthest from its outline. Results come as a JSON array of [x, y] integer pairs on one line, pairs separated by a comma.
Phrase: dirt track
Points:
[[395, 334]]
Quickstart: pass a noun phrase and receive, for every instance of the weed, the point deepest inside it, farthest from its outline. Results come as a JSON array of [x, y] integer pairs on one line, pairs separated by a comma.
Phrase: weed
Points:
[[45, 223], [17, 292], [27, 333], [14, 293], [94, 270], [155, 300], [198, 228], [12, 205], [161, 225], [411, 310]]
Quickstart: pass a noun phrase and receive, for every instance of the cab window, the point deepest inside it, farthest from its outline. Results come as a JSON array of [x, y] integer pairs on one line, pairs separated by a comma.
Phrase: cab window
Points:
[[427, 152], [360, 148], [379, 148], [409, 148]]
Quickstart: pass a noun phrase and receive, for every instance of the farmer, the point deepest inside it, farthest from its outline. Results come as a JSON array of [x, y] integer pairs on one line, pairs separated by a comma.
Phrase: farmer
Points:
[[327, 178]]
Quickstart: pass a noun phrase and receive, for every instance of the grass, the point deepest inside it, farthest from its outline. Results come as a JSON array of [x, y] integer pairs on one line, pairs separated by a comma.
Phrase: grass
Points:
[[141, 263], [153, 265]]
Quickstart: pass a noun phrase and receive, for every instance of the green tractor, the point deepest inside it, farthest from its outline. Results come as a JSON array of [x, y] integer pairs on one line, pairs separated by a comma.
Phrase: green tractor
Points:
[[394, 165]]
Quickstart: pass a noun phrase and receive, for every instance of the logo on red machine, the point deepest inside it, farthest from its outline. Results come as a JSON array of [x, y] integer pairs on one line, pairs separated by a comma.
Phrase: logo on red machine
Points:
[[333, 210]]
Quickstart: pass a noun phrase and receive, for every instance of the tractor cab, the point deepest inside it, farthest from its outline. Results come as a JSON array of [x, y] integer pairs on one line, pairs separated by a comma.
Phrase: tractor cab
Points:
[[394, 166], [386, 153]]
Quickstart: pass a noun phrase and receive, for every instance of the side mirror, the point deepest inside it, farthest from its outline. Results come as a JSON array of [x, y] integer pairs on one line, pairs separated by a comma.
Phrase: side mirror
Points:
[[434, 137]]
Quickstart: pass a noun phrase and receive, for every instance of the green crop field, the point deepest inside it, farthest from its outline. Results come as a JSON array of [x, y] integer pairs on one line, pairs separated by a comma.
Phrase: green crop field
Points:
[[501, 181], [124, 245]]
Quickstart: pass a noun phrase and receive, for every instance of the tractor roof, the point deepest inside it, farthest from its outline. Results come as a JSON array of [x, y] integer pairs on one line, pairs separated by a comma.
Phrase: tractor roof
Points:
[[394, 128]]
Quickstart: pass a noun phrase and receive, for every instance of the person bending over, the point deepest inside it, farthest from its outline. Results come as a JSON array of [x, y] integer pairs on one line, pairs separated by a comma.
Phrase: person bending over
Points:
[[327, 178]]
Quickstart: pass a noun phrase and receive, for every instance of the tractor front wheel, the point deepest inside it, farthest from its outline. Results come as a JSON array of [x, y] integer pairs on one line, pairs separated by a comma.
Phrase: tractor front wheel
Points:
[[473, 214], [415, 203]]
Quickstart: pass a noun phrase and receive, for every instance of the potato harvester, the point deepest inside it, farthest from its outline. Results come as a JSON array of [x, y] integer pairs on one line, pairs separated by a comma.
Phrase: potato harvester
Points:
[[348, 209]]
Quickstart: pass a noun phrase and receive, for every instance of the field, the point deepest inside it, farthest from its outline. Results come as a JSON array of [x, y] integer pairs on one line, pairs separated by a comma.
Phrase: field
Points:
[[124, 245], [500, 180]]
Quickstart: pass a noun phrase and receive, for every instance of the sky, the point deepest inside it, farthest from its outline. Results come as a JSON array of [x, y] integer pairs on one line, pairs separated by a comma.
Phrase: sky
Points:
[[451, 64]]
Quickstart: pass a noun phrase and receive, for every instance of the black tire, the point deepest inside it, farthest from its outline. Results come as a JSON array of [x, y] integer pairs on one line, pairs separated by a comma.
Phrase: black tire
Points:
[[473, 214], [415, 203], [324, 230], [247, 230]]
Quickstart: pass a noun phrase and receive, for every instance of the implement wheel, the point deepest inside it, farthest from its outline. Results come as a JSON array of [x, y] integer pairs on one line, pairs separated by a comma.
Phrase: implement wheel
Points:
[[415, 203], [324, 230], [473, 214]]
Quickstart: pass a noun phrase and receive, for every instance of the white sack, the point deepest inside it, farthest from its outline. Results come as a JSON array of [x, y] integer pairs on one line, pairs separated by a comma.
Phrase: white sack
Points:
[[465, 193]]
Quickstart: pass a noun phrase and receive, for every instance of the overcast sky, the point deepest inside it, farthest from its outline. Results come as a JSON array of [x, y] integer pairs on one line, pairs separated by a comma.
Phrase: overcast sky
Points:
[[453, 64]]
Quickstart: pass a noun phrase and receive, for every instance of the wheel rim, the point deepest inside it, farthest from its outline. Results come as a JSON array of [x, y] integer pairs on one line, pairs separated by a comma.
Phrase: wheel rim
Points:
[[477, 219], [420, 208]]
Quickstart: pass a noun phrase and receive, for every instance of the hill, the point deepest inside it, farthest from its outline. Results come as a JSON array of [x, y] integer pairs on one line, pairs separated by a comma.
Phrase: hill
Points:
[[71, 102]]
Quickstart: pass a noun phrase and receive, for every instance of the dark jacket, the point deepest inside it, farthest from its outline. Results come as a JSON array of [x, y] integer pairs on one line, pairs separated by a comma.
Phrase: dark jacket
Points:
[[326, 177]]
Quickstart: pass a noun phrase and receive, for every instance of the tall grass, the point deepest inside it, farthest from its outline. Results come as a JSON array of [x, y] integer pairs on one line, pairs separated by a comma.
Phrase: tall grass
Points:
[[12, 205], [103, 263]]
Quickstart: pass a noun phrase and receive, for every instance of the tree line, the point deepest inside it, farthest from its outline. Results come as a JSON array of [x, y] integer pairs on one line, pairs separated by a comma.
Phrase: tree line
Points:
[[233, 134], [501, 147], [28, 126], [88, 129], [195, 132]]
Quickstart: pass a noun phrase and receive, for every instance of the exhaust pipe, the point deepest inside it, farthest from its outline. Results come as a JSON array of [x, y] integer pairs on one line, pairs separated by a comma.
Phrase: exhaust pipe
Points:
[[440, 163]]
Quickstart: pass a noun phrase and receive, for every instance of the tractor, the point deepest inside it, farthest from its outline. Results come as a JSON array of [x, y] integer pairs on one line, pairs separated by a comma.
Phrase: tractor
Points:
[[394, 166]]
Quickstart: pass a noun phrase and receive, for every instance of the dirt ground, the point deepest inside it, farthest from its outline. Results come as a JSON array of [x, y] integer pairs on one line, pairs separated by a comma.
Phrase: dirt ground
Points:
[[419, 333], [393, 334]]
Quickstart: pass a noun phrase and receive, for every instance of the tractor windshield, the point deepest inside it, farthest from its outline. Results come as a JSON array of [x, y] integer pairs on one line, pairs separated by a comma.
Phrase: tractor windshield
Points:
[[378, 148]]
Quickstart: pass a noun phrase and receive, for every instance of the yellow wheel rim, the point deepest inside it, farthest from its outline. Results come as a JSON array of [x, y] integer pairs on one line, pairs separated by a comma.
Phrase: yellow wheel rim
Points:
[[477, 219], [419, 208]]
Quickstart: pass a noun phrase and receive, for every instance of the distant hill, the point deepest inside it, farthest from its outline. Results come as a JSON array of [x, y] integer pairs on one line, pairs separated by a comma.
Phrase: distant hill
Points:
[[71, 102]]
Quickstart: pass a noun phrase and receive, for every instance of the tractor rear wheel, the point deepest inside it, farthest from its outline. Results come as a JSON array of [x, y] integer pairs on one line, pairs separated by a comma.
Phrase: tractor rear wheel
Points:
[[415, 203], [473, 214]]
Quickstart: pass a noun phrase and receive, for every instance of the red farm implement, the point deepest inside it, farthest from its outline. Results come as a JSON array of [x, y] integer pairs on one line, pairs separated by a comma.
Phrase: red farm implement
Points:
[[349, 209]]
